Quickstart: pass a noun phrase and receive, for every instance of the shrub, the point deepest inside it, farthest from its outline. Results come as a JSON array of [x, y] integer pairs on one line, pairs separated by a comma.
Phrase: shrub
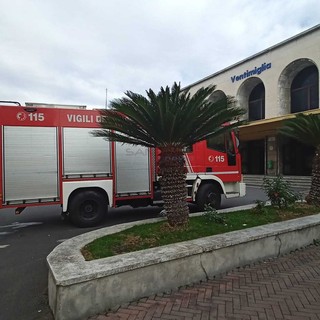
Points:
[[212, 215], [279, 192], [260, 207]]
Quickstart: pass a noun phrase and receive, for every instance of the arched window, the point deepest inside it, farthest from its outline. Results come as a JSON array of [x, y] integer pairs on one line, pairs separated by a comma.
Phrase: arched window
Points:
[[305, 90], [256, 102], [217, 95]]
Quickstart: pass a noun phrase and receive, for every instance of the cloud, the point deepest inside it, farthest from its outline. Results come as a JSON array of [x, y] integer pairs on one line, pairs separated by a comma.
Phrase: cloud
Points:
[[71, 51]]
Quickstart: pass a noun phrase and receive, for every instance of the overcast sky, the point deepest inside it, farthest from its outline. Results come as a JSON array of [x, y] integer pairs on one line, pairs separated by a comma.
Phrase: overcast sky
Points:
[[70, 51]]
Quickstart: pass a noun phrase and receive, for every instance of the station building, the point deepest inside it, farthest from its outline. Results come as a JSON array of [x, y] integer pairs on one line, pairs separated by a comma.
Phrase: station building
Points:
[[271, 86]]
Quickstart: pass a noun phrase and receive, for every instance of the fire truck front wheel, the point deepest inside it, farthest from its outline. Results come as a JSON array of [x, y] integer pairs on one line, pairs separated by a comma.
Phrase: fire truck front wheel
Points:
[[87, 208], [208, 194]]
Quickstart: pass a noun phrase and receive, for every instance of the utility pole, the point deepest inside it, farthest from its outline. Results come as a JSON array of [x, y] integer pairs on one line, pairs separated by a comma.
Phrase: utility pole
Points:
[[106, 98]]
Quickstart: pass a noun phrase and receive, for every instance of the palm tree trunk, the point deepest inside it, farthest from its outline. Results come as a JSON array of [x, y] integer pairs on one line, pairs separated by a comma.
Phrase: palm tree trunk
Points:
[[314, 194], [173, 186]]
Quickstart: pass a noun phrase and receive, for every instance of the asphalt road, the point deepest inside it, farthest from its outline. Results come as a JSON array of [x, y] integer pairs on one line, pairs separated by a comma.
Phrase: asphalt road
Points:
[[27, 239]]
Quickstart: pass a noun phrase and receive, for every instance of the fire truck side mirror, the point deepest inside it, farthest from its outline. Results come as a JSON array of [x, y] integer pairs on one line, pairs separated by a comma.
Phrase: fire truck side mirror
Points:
[[237, 141]]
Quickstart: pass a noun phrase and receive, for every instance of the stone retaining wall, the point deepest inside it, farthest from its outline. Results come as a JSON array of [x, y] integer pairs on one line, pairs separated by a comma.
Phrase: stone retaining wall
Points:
[[79, 288]]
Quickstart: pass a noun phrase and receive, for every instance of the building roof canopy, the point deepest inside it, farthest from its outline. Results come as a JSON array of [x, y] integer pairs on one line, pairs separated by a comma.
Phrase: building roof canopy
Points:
[[261, 129]]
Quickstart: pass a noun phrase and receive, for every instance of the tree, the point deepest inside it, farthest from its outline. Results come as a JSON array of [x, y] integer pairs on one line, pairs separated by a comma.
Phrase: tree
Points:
[[306, 128], [170, 120]]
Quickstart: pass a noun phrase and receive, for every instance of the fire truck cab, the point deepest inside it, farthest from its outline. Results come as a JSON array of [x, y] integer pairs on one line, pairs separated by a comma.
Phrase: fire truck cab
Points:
[[49, 156]]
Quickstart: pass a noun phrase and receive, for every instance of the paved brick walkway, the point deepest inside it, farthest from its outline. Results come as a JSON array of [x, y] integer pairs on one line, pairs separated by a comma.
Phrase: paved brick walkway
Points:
[[283, 288]]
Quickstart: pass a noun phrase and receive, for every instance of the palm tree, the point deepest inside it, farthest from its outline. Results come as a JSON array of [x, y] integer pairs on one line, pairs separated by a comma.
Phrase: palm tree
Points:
[[306, 128], [170, 121]]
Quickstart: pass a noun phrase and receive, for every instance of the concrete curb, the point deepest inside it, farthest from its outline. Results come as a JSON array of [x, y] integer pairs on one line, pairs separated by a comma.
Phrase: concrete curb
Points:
[[79, 288]]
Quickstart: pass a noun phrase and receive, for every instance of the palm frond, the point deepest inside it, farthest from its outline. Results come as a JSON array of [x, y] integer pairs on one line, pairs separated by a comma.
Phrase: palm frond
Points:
[[119, 137], [304, 128], [167, 117], [115, 121]]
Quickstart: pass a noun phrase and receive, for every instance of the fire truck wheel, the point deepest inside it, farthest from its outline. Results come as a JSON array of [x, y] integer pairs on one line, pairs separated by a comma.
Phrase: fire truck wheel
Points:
[[87, 208], [208, 194]]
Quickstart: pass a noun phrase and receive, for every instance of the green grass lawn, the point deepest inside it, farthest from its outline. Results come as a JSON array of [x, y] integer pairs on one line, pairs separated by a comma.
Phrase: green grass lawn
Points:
[[158, 234]]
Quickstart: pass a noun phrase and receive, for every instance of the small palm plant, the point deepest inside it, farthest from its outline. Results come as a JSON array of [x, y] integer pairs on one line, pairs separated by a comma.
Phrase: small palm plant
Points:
[[306, 128], [170, 120], [279, 192]]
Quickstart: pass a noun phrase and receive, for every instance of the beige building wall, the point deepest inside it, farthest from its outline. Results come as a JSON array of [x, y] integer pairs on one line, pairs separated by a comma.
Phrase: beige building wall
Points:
[[282, 63], [287, 59]]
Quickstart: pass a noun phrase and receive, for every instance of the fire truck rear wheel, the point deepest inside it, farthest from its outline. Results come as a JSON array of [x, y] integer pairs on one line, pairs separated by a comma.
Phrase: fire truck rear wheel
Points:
[[208, 194], [87, 208]]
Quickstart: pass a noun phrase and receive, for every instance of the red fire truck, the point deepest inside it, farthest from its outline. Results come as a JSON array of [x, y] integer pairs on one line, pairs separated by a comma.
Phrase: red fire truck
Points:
[[49, 156]]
